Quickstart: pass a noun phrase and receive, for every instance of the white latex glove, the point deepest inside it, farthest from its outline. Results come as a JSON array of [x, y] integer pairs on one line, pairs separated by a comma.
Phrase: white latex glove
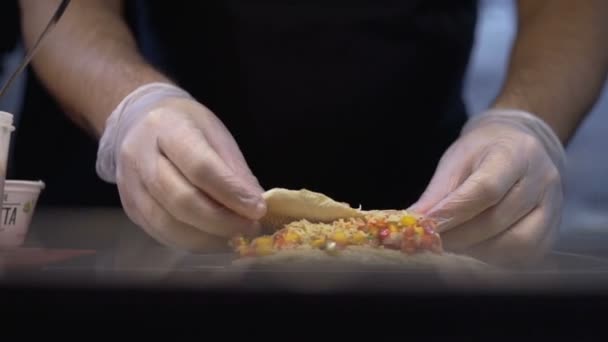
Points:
[[497, 191], [179, 172]]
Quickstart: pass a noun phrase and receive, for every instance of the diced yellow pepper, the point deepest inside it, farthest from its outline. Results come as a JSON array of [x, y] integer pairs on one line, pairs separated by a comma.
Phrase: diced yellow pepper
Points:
[[360, 238], [408, 220], [263, 241], [340, 237], [263, 245], [318, 243], [419, 230]]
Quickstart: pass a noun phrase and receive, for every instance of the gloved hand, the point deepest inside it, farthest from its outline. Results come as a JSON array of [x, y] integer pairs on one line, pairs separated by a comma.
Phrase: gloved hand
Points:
[[497, 191], [179, 172]]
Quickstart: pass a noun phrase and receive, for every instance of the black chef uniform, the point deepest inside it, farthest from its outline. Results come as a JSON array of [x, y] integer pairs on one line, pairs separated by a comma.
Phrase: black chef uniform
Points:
[[357, 99]]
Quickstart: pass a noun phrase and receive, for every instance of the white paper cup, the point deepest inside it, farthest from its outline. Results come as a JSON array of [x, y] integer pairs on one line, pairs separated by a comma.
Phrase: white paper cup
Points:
[[20, 199], [6, 129]]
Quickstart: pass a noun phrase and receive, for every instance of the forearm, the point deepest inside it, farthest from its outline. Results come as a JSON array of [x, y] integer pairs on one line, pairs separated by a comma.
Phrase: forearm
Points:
[[90, 62], [558, 62]]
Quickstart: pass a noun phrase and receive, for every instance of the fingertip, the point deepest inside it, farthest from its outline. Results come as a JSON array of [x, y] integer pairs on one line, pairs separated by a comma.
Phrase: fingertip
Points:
[[260, 209], [253, 208], [243, 198]]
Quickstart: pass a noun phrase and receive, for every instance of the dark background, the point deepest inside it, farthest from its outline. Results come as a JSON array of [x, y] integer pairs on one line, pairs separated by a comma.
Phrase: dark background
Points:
[[33, 158]]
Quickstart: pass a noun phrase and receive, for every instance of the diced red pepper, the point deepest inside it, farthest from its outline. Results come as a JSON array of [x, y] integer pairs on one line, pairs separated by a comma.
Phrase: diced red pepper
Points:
[[409, 232], [279, 241], [384, 233]]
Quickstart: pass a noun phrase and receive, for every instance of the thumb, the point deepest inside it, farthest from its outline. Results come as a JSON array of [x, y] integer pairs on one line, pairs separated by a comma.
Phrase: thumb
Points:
[[450, 173]]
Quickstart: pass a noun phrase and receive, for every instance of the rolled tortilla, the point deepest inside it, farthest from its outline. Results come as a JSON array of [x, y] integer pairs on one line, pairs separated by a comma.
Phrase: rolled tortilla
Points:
[[286, 206]]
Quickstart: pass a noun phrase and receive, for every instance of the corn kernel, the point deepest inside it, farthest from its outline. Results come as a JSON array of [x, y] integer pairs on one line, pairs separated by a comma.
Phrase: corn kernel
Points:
[[408, 220], [340, 237], [292, 237], [419, 230], [360, 238]]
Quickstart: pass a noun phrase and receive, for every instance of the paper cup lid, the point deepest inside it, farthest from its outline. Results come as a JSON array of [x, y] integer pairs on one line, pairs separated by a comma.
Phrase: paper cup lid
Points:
[[23, 185], [6, 119]]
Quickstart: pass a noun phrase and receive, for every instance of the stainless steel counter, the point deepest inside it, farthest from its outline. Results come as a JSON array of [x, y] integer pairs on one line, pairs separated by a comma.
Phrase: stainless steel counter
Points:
[[93, 265]]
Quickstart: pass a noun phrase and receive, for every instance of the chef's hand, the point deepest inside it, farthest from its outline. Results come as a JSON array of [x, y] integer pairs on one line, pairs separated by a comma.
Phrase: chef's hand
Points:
[[179, 172], [497, 191]]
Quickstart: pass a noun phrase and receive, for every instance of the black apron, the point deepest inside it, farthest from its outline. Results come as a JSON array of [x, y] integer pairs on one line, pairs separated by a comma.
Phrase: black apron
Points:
[[357, 99]]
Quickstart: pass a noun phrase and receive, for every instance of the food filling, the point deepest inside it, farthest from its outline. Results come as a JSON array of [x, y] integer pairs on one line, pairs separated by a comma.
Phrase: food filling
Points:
[[404, 232]]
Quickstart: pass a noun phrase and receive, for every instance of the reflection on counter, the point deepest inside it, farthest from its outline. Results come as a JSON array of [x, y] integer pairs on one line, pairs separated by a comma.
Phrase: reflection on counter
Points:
[[102, 247]]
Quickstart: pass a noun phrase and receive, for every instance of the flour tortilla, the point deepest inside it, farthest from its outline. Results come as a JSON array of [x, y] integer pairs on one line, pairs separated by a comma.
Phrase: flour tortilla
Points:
[[285, 206], [305, 269], [370, 256]]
